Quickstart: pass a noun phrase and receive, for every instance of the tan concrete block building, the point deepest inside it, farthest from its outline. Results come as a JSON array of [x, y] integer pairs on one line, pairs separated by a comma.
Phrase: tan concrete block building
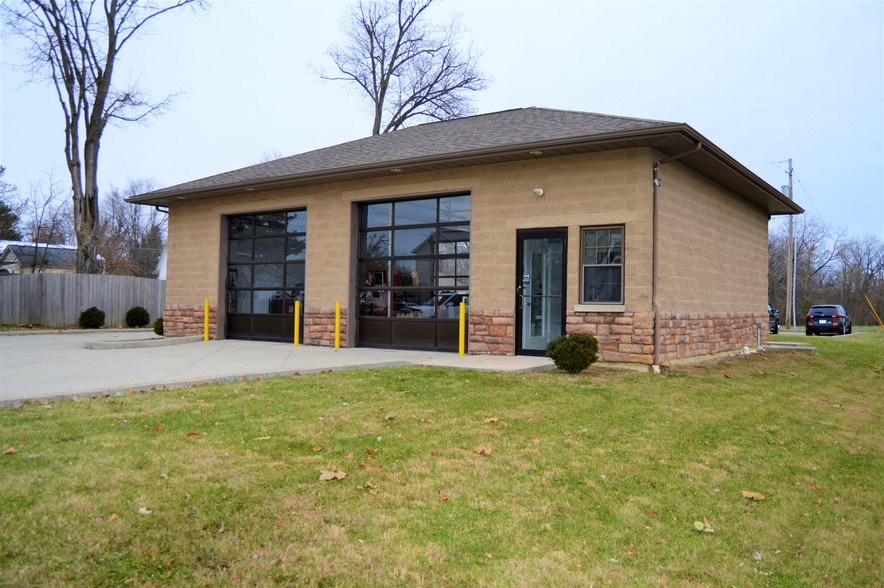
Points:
[[542, 222]]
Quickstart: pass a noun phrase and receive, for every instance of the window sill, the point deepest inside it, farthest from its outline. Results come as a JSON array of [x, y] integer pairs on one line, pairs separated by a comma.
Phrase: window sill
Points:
[[599, 308]]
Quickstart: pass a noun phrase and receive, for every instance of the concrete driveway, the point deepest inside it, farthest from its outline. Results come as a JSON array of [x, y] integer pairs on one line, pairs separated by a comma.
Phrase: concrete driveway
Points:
[[57, 366]]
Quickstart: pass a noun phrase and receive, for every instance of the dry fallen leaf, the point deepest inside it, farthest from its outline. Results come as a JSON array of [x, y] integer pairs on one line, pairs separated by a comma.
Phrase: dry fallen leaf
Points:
[[836, 500], [159, 426], [326, 475], [535, 440], [752, 495], [434, 452], [491, 420], [814, 487], [192, 434], [114, 516], [482, 450], [632, 553], [9, 451]]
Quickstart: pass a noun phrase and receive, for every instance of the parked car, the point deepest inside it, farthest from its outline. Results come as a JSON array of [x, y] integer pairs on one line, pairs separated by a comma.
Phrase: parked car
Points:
[[828, 318], [774, 322]]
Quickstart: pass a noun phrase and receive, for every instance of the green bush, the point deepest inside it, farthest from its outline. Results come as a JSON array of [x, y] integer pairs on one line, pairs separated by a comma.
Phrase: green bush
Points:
[[91, 318], [158, 326], [573, 353], [137, 317]]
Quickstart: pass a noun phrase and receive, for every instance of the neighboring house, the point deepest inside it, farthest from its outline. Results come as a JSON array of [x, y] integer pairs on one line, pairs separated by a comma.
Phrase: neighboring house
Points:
[[17, 257], [640, 232]]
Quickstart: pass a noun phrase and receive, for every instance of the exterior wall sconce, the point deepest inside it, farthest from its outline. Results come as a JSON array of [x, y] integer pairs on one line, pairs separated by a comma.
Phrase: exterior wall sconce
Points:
[[539, 192]]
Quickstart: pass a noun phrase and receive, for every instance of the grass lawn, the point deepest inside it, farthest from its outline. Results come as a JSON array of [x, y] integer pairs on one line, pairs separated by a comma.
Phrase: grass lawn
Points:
[[459, 478]]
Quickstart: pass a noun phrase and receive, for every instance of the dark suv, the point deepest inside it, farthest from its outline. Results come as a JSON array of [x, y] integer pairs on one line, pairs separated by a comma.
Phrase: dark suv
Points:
[[828, 318]]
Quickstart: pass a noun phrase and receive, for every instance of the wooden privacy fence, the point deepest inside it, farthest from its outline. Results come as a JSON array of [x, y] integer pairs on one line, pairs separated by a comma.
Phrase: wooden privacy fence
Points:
[[56, 300]]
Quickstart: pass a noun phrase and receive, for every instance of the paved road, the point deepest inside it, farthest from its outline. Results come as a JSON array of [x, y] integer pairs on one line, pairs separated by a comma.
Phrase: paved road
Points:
[[55, 366]]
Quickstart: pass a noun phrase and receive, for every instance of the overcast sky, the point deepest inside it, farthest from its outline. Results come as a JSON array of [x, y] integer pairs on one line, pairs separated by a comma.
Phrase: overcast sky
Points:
[[765, 81]]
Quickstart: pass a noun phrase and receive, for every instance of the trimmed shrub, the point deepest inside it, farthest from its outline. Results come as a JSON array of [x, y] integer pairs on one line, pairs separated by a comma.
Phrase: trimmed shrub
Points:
[[91, 318], [573, 353], [158, 326], [137, 317]]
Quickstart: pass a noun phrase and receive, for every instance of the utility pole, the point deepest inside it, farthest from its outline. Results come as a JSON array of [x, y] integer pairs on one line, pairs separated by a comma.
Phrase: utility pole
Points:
[[790, 281]]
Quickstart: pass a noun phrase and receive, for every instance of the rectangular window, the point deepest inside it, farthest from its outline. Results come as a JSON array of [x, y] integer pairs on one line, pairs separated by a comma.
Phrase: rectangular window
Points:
[[602, 261]]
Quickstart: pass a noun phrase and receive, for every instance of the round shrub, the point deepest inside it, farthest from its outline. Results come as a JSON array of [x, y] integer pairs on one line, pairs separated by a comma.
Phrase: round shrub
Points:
[[137, 317], [91, 318], [158, 326], [573, 353]]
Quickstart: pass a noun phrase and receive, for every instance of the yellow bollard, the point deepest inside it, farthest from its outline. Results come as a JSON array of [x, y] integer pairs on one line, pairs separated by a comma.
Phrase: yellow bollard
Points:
[[337, 325], [297, 322], [206, 320], [462, 331]]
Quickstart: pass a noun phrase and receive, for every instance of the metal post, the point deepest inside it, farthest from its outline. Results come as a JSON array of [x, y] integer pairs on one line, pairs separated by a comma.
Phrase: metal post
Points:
[[461, 341], [790, 314], [794, 251], [337, 325], [206, 320], [297, 322]]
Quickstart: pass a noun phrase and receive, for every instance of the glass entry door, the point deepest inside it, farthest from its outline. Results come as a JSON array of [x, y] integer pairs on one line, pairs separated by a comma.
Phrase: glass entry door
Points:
[[540, 288]]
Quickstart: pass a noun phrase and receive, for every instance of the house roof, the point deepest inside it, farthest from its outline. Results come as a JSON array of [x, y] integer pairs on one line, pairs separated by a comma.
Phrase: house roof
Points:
[[63, 256], [511, 135]]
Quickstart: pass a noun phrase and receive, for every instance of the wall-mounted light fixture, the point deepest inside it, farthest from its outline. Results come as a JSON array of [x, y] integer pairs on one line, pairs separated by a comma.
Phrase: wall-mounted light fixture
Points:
[[539, 192]]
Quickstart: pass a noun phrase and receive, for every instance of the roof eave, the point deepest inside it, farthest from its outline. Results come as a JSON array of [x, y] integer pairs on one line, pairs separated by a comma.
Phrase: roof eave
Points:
[[788, 206], [458, 159], [765, 195]]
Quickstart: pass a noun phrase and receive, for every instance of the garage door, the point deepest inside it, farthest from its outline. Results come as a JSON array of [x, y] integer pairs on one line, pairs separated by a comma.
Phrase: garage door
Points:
[[413, 272], [265, 274]]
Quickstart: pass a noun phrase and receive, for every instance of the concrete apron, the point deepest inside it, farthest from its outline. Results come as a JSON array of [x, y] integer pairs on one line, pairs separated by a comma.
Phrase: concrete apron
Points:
[[84, 364]]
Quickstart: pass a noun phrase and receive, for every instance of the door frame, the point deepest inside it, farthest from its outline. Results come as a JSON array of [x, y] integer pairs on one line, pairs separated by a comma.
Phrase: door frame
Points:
[[521, 236]]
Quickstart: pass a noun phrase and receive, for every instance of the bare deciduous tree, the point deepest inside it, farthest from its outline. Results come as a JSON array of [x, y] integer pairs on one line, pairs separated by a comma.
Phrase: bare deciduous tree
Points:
[[407, 66], [831, 268], [75, 45], [9, 210], [131, 236], [47, 220]]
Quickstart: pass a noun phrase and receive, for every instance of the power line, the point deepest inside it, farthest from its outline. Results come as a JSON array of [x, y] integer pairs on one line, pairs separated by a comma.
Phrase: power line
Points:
[[794, 175]]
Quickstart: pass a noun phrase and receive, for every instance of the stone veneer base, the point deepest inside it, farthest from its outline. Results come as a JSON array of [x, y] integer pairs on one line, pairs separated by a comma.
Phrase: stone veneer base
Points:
[[628, 337], [180, 320], [624, 337], [693, 334], [492, 332], [319, 326]]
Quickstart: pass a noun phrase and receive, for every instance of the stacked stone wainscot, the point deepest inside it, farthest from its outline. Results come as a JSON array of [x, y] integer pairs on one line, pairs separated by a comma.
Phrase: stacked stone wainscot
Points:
[[686, 335], [492, 332], [624, 337], [181, 320], [319, 326]]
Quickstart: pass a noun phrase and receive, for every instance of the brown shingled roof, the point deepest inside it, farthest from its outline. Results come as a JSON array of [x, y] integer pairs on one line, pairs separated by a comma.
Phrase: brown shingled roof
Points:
[[509, 135]]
